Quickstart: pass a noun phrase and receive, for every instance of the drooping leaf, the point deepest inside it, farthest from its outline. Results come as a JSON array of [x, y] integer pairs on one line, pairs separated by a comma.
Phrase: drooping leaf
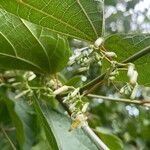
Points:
[[59, 125], [127, 45], [23, 119], [81, 19], [53, 145], [29, 47]]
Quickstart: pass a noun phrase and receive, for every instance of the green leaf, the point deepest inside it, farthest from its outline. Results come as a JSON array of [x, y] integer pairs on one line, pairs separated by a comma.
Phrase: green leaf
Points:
[[127, 45], [23, 117], [30, 47], [59, 125], [81, 19], [112, 141], [48, 131]]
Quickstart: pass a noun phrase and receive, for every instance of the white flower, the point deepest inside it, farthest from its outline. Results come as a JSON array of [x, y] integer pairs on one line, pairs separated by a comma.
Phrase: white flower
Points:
[[98, 42]]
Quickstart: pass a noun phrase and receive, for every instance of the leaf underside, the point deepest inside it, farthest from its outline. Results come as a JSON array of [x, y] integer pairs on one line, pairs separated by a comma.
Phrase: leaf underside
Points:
[[29, 47], [60, 125], [81, 19]]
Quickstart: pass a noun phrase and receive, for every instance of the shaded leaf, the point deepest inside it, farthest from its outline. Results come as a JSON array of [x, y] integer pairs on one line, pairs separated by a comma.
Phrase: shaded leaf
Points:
[[127, 45], [59, 125], [23, 118], [29, 47], [48, 131], [81, 19]]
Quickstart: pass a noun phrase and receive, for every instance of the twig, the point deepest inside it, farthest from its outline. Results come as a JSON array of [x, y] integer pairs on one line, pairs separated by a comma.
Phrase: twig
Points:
[[9, 140], [97, 141], [137, 102], [93, 88], [100, 145], [138, 55], [93, 82]]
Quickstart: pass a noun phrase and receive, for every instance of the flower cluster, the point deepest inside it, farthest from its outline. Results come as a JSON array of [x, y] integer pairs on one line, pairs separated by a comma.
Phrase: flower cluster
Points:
[[77, 107]]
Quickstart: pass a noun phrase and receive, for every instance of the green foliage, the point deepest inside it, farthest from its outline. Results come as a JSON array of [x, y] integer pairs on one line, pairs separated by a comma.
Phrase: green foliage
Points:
[[22, 116], [47, 128], [35, 36], [27, 46], [128, 45], [60, 124], [77, 19]]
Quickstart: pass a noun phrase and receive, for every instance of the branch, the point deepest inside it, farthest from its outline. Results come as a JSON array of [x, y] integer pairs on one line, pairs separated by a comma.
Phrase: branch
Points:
[[94, 138], [92, 83], [137, 102], [100, 145], [138, 55]]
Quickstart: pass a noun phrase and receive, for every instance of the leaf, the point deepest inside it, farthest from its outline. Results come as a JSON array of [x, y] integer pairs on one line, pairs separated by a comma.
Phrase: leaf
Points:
[[23, 117], [27, 46], [127, 45], [81, 19], [49, 134], [112, 141], [59, 125]]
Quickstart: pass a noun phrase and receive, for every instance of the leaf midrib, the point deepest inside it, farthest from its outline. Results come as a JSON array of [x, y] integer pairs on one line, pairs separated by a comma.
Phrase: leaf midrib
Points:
[[43, 48], [82, 8], [24, 60]]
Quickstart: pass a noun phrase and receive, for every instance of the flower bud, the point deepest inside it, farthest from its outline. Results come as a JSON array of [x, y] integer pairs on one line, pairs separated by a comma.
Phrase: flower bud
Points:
[[110, 54], [133, 78], [29, 76], [130, 70], [74, 93], [112, 78], [60, 90], [84, 108], [134, 92], [98, 42]]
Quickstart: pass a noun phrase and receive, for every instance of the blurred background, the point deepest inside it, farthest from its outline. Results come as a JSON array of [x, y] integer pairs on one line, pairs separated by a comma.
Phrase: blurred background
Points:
[[119, 125], [127, 16]]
